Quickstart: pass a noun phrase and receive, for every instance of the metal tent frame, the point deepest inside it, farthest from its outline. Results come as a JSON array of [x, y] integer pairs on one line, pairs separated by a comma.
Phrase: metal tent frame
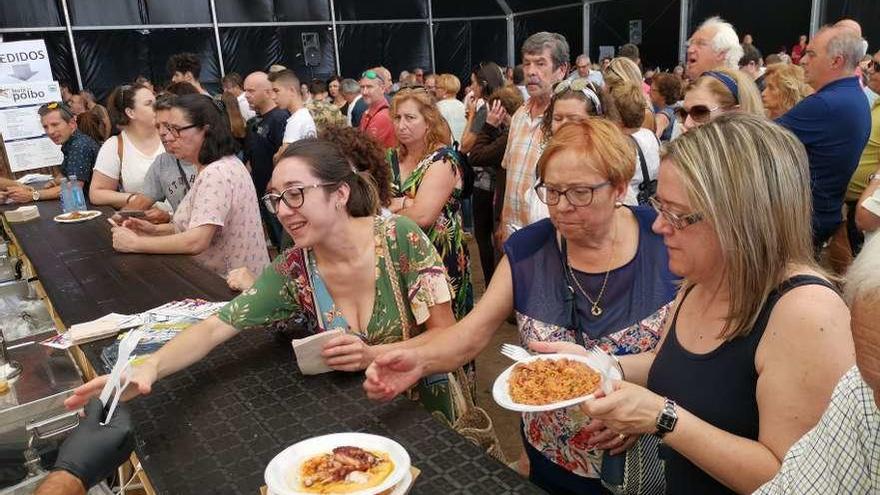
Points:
[[509, 15]]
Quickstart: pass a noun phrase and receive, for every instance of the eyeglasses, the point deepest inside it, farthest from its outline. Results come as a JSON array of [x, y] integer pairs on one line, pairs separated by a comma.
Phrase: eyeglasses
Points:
[[677, 221], [874, 66], [576, 196], [701, 113], [293, 197], [371, 74], [173, 129]]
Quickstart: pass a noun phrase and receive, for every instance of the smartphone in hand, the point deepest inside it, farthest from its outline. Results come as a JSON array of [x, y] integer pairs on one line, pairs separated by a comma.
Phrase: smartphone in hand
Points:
[[131, 213]]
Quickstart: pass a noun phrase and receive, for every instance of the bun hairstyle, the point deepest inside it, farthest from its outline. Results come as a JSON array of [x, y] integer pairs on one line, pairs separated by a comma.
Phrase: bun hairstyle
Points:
[[120, 99], [330, 165]]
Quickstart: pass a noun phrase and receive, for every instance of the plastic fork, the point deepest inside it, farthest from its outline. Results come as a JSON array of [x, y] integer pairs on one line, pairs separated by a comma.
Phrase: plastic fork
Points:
[[608, 365], [515, 352], [120, 389]]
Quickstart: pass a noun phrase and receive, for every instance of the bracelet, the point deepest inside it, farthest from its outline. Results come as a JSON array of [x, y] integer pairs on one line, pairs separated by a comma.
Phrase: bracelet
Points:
[[619, 366], [128, 200]]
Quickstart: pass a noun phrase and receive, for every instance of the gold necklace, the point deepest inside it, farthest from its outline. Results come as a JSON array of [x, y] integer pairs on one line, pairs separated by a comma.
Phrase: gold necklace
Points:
[[595, 309]]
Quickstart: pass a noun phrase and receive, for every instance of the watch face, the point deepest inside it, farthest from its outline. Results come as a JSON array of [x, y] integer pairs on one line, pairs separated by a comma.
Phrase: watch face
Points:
[[666, 422]]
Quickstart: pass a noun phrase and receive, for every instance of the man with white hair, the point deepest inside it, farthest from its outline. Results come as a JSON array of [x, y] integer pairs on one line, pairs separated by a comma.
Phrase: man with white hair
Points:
[[841, 454], [833, 123], [714, 44]]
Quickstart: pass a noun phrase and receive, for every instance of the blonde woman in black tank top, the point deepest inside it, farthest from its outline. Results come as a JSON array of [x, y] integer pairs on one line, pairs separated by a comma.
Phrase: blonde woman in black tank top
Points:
[[759, 338]]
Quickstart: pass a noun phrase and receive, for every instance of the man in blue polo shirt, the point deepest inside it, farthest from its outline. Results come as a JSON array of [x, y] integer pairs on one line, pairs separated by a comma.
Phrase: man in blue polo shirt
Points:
[[833, 123]]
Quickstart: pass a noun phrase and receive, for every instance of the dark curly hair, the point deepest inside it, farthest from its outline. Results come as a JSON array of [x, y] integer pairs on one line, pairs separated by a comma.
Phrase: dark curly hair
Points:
[[669, 86], [364, 153], [183, 63]]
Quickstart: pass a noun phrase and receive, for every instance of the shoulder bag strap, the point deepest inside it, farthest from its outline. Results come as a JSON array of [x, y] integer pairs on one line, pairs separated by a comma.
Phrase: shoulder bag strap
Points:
[[570, 295], [182, 175], [642, 162], [120, 150]]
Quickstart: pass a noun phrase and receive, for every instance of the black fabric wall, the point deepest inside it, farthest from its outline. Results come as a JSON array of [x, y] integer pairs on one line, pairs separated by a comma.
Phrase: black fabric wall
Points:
[[568, 22], [771, 24], [460, 46], [609, 26], [867, 12]]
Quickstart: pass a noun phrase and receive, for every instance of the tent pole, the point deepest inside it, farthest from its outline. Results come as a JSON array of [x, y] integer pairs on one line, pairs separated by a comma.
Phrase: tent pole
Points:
[[79, 80], [335, 37], [511, 39], [817, 13], [586, 32], [431, 35], [683, 16], [217, 39]]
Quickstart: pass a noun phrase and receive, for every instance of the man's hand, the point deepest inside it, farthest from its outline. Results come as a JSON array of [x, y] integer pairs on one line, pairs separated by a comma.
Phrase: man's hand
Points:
[[93, 451], [139, 202], [20, 194], [157, 215]]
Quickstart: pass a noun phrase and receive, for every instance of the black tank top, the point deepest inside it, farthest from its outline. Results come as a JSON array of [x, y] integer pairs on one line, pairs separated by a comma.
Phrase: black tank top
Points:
[[717, 387]]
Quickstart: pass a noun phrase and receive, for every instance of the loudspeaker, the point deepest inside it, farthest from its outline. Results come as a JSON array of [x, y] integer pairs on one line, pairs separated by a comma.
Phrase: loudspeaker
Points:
[[311, 49]]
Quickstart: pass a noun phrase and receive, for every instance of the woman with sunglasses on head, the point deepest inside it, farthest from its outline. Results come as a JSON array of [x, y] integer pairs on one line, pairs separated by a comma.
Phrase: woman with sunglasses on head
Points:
[[124, 159], [758, 337], [593, 273], [217, 221], [622, 70], [717, 92], [376, 278], [426, 178]]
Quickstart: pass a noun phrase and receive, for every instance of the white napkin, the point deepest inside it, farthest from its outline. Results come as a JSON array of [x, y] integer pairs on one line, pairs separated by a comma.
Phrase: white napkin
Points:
[[308, 352]]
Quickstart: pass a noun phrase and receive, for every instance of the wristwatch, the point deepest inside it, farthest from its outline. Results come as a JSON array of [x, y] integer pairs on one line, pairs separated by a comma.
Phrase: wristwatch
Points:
[[666, 419], [35, 194]]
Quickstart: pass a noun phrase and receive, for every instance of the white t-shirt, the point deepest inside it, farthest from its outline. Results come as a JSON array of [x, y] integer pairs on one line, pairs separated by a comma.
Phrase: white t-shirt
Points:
[[454, 112], [300, 125], [247, 113], [651, 149], [134, 164]]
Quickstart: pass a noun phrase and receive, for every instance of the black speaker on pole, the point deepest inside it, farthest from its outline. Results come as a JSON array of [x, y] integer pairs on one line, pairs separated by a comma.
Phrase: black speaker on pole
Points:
[[311, 49]]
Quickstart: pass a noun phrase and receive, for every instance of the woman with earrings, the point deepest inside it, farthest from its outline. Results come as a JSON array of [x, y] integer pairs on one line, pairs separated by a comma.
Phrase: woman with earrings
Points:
[[376, 278], [593, 273]]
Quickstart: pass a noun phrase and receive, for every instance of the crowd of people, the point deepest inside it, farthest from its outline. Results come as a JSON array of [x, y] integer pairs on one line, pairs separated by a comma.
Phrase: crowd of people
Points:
[[677, 221]]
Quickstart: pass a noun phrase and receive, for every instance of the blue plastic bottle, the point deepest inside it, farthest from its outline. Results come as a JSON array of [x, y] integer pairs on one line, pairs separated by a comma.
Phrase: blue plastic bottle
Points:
[[65, 195], [77, 198]]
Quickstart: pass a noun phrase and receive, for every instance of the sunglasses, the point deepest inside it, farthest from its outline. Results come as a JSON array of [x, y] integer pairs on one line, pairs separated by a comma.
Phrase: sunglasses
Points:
[[60, 106], [582, 85], [371, 74], [701, 113]]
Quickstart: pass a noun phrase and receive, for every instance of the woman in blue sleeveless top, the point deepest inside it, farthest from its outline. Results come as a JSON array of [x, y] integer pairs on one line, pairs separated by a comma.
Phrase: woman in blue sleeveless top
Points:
[[592, 273], [758, 337]]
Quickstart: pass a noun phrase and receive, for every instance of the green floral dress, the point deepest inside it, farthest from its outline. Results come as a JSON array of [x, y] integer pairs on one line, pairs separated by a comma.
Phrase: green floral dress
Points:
[[409, 280], [447, 233]]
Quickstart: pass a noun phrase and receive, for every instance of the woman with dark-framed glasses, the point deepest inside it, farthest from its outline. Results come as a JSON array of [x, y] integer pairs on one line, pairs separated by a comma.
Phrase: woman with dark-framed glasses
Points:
[[593, 273], [376, 278], [217, 221]]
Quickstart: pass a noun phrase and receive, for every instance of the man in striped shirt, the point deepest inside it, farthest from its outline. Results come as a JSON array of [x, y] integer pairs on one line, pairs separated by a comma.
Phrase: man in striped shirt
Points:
[[545, 63]]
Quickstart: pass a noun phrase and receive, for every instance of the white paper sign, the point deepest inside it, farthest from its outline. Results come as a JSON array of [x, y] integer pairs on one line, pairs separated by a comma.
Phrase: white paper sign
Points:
[[635, 32], [24, 61], [20, 123], [36, 93], [28, 154]]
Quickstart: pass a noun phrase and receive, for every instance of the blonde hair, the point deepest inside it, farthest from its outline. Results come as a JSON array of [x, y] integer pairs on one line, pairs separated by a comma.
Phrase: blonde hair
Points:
[[789, 82], [748, 98], [622, 70], [438, 134], [630, 102], [450, 84], [750, 179], [600, 145]]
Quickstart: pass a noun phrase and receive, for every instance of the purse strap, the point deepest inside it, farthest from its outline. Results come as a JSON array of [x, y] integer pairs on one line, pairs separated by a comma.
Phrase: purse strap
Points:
[[570, 295], [643, 164], [182, 175], [394, 276]]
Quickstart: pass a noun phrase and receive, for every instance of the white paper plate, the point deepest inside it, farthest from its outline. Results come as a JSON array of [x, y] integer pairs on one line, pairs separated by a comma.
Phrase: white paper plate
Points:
[[277, 474], [399, 489], [501, 388], [90, 215]]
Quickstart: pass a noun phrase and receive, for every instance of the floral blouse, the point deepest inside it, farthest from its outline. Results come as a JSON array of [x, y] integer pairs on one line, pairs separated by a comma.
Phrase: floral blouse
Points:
[[634, 306], [447, 233], [409, 280]]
